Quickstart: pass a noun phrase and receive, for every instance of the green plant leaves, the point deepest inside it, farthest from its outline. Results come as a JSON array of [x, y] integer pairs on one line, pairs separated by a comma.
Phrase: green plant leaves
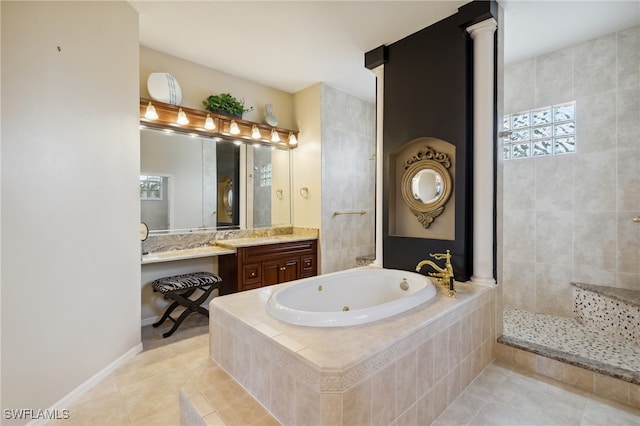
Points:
[[225, 104]]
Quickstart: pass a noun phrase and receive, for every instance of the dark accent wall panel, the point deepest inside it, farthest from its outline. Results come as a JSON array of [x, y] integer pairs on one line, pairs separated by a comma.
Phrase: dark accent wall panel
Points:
[[427, 93]]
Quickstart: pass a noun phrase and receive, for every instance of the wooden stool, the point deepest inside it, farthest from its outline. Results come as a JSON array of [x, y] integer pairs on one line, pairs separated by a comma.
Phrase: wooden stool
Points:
[[179, 288]]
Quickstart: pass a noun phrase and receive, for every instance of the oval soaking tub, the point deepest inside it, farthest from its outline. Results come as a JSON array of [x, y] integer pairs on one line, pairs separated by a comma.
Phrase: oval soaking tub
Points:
[[351, 297]]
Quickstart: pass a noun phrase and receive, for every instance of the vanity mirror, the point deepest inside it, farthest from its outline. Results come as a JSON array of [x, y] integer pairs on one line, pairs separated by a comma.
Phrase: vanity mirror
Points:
[[190, 183], [426, 184]]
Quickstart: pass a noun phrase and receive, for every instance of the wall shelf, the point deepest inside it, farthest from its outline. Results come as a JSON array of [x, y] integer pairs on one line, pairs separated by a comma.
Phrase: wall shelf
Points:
[[167, 121]]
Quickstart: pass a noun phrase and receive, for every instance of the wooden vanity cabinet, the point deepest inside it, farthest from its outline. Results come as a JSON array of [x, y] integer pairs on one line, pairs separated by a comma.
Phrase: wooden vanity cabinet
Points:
[[261, 265]]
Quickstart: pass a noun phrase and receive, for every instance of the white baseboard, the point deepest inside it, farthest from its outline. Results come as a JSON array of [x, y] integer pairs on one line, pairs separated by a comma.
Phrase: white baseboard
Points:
[[149, 321], [85, 387]]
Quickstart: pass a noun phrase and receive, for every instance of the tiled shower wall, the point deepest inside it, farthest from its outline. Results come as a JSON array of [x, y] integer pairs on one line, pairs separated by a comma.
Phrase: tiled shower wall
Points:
[[570, 217], [348, 179]]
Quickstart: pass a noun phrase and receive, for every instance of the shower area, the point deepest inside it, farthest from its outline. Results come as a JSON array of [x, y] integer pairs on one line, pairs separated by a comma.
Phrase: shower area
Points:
[[571, 196]]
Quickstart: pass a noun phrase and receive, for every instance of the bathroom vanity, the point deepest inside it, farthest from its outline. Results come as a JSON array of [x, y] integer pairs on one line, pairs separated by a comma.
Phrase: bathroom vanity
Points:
[[262, 262], [245, 259]]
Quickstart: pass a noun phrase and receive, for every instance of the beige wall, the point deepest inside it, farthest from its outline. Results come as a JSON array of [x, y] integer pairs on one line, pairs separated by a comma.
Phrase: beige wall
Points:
[[307, 171], [197, 82], [70, 207]]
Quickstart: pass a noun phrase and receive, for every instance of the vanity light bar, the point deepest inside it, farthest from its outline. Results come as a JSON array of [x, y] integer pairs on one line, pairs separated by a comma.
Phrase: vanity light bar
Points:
[[209, 124], [189, 121], [182, 118], [150, 112]]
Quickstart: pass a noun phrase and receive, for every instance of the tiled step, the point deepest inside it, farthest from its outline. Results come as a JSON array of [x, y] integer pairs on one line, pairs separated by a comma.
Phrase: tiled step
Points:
[[215, 398], [610, 310], [575, 376]]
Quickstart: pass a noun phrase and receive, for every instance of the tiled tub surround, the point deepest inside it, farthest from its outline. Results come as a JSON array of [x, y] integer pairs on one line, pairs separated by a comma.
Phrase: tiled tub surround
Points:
[[613, 311], [406, 368]]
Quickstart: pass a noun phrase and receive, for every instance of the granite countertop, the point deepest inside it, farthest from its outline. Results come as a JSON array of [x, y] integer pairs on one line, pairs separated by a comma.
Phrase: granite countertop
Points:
[[190, 253], [259, 241], [220, 247]]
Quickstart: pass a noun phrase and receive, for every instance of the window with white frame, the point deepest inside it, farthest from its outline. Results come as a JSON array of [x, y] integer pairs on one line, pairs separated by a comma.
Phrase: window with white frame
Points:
[[543, 131], [150, 187]]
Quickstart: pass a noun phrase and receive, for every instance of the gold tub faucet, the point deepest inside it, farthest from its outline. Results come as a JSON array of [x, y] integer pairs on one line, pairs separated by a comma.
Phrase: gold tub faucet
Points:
[[443, 275]]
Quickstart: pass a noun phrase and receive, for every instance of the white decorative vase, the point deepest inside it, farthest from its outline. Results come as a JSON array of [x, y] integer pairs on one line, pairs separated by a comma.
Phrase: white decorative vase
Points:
[[163, 87], [269, 118]]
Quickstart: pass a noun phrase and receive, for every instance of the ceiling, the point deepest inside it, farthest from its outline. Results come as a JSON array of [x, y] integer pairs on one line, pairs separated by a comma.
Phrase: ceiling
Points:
[[291, 45]]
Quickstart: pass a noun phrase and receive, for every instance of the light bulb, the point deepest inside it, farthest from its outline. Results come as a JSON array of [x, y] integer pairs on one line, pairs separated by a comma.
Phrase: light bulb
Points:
[[208, 123], [292, 139], [255, 132], [182, 117], [275, 137], [150, 113], [233, 128]]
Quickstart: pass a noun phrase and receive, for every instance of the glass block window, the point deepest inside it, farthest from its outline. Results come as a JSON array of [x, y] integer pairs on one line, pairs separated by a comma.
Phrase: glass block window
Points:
[[151, 187], [265, 175], [539, 132]]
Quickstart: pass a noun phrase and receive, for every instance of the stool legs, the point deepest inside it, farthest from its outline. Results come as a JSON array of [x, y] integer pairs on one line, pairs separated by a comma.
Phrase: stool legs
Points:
[[173, 306], [191, 306]]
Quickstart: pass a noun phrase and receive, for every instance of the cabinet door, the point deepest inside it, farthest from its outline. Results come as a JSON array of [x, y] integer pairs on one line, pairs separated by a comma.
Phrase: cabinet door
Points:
[[290, 270], [271, 272], [280, 271]]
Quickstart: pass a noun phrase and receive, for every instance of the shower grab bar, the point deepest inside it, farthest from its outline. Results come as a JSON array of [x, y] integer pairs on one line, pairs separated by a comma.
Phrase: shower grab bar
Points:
[[361, 212]]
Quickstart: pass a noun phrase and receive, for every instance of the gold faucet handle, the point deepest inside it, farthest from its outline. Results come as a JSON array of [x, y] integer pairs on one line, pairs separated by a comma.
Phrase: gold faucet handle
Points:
[[440, 256]]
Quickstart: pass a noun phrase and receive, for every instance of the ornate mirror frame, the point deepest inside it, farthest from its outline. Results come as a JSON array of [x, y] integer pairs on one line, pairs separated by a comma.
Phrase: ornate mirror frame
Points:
[[427, 159]]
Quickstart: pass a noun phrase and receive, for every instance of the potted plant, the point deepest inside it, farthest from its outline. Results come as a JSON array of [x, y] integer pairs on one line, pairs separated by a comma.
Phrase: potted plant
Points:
[[226, 104]]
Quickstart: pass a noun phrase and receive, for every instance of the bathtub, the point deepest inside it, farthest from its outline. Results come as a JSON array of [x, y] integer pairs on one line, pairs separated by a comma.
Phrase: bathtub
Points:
[[351, 297]]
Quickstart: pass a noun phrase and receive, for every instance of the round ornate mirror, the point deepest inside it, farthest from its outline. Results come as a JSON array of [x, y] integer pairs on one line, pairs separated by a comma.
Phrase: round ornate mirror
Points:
[[426, 187]]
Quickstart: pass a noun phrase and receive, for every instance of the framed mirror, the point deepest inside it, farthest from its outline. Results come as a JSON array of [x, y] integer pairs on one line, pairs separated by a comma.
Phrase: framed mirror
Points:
[[427, 184], [193, 183]]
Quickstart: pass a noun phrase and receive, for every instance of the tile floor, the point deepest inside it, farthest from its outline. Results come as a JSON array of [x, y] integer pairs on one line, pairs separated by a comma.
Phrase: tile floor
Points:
[[145, 392]]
